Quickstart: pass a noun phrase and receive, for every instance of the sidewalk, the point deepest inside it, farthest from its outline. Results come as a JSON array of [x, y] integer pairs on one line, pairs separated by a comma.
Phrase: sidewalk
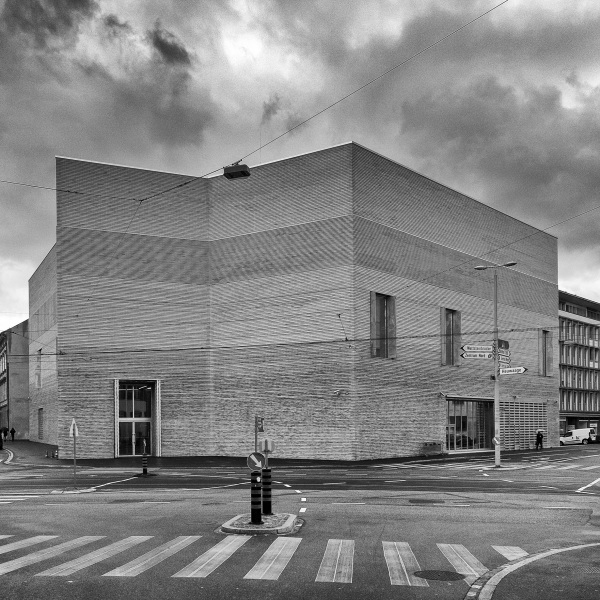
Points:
[[572, 572]]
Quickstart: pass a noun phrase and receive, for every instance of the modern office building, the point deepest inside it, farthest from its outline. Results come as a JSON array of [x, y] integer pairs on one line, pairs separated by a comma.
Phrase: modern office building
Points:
[[579, 362], [14, 379], [331, 293]]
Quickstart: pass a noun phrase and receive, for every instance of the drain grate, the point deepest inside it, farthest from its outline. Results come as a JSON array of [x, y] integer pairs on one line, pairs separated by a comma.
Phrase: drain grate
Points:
[[439, 575]]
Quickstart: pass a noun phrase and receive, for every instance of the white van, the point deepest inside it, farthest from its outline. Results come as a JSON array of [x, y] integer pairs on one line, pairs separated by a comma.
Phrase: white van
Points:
[[579, 436]]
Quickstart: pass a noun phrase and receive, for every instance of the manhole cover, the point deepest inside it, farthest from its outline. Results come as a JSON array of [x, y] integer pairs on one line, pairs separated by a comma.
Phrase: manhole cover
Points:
[[439, 575], [424, 501]]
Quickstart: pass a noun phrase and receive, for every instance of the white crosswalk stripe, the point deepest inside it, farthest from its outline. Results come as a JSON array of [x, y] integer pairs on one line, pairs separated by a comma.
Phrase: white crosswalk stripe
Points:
[[401, 564], [338, 562], [204, 565], [511, 552], [77, 564], [463, 561], [274, 560], [40, 555], [152, 558], [38, 539]]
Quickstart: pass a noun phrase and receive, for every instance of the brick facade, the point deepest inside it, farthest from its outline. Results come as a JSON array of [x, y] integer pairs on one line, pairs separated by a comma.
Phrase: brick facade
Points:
[[252, 297]]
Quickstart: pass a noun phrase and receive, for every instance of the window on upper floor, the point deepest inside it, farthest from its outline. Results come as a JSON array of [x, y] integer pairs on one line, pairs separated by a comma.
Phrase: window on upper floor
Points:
[[545, 352], [383, 325], [450, 336]]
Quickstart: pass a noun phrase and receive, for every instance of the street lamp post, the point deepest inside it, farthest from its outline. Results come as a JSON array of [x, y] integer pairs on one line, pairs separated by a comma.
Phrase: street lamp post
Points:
[[496, 365]]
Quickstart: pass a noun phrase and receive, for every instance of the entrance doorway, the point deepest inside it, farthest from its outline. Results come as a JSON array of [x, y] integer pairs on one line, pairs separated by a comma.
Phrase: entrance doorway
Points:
[[470, 425], [136, 403]]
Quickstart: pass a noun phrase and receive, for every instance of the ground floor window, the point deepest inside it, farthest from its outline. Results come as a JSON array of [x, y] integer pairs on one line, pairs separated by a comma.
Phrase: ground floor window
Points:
[[470, 424], [137, 409]]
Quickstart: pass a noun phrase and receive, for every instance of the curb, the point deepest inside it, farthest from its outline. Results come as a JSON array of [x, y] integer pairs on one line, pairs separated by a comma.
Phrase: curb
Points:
[[483, 588], [242, 524]]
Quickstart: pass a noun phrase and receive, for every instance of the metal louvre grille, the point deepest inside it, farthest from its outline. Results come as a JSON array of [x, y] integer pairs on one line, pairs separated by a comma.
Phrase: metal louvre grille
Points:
[[519, 423]]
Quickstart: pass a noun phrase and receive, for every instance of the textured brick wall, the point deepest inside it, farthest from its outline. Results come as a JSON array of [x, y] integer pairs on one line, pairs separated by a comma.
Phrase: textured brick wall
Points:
[[271, 273], [43, 332]]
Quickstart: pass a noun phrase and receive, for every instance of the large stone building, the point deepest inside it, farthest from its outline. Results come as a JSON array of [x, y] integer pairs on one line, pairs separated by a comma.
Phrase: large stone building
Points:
[[579, 362], [14, 380], [329, 293]]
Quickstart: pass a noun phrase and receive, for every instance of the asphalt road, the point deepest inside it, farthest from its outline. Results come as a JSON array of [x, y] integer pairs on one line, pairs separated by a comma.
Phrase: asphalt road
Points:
[[426, 529]]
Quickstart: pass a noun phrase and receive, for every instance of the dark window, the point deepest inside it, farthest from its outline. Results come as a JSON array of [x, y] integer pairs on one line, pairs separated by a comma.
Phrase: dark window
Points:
[[451, 336], [383, 326], [545, 352]]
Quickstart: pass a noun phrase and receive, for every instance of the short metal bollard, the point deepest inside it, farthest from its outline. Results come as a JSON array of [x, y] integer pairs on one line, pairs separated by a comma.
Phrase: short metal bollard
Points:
[[266, 492], [255, 494], [144, 464]]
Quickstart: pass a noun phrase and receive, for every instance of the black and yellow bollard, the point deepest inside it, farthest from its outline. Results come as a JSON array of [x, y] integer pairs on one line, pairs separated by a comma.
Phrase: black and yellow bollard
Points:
[[144, 464], [255, 497], [266, 492]]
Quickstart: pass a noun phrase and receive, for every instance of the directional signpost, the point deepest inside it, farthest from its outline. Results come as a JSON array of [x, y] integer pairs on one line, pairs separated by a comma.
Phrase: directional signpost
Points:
[[477, 348], [512, 370], [477, 354]]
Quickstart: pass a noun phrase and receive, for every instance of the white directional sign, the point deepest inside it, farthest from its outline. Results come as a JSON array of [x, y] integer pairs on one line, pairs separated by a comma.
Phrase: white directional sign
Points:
[[512, 370], [504, 359], [256, 461], [73, 432], [477, 354], [503, 352], [477, 348]]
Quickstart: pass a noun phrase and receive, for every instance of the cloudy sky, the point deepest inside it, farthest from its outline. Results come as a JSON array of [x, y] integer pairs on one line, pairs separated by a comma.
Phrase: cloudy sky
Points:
[[506, 110]]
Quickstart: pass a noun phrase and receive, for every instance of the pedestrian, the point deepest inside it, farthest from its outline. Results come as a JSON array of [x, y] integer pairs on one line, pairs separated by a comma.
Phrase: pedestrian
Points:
[[12, 434], [539, 440], [5, 432]]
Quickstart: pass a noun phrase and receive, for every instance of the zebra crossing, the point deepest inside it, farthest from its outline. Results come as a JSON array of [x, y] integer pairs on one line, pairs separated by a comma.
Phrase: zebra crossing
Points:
[[337, 563], [10, 498], [485, 465]]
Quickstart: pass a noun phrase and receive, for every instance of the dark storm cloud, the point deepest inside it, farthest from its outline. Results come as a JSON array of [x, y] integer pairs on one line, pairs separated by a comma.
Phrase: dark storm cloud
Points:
[[46, 21], [270, 108], [115, 27], [171, 50]]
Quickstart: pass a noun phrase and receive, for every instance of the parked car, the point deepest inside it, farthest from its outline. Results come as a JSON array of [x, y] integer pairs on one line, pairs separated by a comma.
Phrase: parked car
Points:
[[579, 436]]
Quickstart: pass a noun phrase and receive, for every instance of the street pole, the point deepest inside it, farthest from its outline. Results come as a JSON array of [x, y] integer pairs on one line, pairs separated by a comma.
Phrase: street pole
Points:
[[496, 376]]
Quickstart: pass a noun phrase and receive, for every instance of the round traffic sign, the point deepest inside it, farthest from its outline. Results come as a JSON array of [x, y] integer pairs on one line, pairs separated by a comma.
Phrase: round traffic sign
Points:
[[256, 461]]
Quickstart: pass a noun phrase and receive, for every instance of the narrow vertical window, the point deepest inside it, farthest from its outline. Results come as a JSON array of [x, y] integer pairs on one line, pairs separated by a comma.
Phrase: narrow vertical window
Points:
[[383, 326], [40, 423], [38, 369], [545, 352], [450, 336]]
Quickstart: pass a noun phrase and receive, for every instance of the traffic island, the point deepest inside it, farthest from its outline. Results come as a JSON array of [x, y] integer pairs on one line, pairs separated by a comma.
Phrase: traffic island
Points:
[[278, 524]]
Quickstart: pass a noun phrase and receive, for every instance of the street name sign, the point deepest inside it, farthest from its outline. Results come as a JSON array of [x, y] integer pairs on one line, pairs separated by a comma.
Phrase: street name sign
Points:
[[512, 370], [256, 461], [477, 348], [477, 354]]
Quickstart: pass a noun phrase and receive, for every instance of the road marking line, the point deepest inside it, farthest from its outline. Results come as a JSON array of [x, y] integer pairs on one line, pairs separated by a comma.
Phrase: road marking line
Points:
[[92, 558], [38, 539], [272, 563], [40, 555], [401, 564], [568, 467], [463, 561], [303, 510], [588, 485], [337, 563], [590, 468], [213, 558], [152, 558], [511, 552], [7, 497]]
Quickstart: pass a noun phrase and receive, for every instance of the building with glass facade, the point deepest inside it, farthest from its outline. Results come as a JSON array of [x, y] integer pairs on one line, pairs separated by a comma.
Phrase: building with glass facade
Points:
[[579, 334]]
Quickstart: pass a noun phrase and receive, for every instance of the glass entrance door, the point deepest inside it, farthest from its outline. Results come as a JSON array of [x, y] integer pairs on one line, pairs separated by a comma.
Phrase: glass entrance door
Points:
[[470, 425], [132, 436], [136, 402]]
